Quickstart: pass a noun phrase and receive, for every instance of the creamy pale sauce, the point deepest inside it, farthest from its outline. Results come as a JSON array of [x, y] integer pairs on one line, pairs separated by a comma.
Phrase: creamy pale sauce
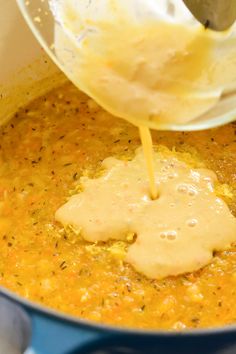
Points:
[[142, 63], [176, 233]]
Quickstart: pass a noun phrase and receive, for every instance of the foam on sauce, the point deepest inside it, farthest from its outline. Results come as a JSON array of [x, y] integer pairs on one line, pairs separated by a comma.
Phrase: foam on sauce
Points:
[[176, 233]]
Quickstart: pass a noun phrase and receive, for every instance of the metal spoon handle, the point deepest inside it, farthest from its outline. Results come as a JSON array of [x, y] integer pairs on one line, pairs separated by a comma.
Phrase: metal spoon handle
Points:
[[219, 15]]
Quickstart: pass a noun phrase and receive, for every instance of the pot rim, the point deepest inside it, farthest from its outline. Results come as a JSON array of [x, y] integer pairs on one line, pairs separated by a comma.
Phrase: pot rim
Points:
[[92, 325]]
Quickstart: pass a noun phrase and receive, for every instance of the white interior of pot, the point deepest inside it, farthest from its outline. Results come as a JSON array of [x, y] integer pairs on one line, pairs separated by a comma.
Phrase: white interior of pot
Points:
[[26, 71]]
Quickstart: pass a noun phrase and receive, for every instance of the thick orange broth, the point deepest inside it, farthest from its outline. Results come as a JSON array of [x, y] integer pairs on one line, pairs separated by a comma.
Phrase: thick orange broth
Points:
[[44, 150]]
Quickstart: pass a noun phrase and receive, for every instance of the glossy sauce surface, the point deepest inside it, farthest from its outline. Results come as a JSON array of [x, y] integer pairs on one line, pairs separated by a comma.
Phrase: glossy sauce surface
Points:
[[44, 151]]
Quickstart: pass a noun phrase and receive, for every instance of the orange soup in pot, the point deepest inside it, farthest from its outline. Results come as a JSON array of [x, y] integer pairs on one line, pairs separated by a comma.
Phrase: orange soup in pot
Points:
[[44, 150]]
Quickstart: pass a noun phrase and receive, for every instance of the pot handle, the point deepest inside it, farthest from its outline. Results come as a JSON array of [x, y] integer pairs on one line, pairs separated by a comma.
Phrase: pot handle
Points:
[[27, 331], [15, 328]]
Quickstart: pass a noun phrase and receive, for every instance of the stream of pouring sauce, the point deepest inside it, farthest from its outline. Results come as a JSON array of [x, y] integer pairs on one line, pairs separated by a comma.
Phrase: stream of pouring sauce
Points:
[[146, 140]]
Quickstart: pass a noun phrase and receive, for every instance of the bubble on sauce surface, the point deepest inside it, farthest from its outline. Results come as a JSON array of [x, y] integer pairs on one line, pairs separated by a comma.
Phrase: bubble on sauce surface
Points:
[[169, 235], [192, 192], [185, 189], [163, 235], [182, 189], [192, 222], [171, 175]]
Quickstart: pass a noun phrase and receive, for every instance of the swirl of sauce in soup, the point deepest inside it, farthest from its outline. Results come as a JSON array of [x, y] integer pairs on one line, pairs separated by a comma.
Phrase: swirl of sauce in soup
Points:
[[176, 233]]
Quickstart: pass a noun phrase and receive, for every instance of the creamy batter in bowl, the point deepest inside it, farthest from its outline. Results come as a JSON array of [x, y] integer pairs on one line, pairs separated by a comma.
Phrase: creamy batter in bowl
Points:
[[201, 55]]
